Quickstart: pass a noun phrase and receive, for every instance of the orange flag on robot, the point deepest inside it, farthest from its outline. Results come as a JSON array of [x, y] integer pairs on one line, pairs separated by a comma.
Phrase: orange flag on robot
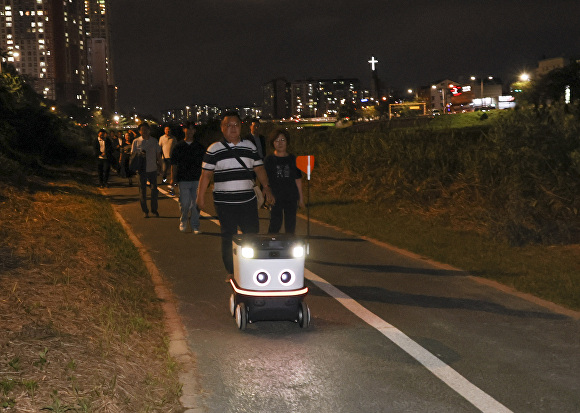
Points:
[[305, 164]]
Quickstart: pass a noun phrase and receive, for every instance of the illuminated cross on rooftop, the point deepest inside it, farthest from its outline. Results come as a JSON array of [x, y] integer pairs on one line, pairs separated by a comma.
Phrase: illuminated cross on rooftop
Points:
[[373, 61]]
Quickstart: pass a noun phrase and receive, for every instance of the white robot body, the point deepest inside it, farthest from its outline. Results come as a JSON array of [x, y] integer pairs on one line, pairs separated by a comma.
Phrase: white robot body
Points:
[[268, 282]]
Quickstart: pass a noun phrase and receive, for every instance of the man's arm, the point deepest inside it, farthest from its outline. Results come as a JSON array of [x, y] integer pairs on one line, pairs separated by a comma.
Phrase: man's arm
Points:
[[159, 161], [263, 178], [204, 180], [173, 175], [300, 194]]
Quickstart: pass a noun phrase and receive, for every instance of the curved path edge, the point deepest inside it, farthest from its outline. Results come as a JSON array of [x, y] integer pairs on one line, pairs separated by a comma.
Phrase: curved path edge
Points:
[[178, 348]]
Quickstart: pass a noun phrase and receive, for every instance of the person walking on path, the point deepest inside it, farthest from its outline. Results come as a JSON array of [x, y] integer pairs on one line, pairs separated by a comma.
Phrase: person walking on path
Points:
[[124, 169], [258, 140], [118, 142], [286, 181], [103, 151], [148, 145], [234, 197], [167, 142], [186, 161]]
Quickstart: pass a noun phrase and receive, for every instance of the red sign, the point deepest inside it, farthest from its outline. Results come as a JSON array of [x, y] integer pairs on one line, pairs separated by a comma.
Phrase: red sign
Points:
[[305, 163], [455, 90]]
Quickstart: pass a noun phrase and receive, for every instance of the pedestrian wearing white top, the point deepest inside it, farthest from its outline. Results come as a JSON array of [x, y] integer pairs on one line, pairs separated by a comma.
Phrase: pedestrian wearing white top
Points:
[[167, 143]]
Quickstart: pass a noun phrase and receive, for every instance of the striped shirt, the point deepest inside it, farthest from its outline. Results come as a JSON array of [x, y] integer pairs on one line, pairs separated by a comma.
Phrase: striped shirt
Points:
[[233, 184]]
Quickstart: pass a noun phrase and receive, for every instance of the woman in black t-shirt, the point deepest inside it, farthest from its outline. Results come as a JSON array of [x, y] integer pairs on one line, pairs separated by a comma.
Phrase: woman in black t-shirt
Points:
[[286, 183]]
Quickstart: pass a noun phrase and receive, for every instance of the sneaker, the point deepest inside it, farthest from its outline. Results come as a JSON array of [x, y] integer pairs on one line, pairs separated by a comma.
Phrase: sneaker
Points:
[[183, 227], [146, 214], [196, 231], [156, 214]]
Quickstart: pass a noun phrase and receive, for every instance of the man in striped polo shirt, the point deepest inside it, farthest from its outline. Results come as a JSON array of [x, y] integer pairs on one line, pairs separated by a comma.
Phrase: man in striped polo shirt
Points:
[[233, 193]]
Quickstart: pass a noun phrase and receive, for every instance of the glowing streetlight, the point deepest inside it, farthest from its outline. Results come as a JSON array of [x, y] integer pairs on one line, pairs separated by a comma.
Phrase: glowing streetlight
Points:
[[524, 77], [473, 78]]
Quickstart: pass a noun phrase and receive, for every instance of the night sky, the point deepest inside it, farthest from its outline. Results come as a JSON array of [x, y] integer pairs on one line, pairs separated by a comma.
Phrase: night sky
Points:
[[171, 53]]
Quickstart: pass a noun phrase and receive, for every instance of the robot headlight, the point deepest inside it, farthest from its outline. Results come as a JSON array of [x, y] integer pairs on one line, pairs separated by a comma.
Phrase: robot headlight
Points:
[[247, 252], [298, 251]]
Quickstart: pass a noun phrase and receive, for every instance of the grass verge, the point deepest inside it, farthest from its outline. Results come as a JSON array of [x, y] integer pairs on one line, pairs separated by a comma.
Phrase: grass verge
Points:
[[80, 326], [548, 272]]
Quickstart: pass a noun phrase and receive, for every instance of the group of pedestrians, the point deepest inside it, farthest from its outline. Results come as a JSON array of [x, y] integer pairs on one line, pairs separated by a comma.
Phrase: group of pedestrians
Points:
[[113, 153], [233, 163]]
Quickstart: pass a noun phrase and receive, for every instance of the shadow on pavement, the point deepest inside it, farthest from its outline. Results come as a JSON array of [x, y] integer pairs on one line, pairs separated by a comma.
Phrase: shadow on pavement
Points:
[[381, 295], [392, 269]]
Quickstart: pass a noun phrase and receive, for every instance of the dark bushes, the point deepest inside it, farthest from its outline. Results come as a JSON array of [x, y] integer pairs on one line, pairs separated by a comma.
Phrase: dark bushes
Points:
[[29, 132], [518, 179]]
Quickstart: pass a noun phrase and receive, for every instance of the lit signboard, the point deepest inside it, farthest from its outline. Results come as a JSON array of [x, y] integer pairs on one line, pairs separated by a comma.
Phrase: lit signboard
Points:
[[455, 90]]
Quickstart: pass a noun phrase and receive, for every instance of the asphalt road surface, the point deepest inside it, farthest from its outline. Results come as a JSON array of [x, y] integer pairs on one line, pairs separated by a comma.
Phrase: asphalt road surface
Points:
[[389, 333]]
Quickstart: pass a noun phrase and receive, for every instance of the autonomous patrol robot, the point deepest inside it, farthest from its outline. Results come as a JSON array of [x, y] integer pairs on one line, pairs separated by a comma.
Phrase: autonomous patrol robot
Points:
[[268, 282]]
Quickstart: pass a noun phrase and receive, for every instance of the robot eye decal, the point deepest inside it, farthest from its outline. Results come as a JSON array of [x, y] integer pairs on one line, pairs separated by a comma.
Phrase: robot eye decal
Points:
[[287, 277], [262, 278]]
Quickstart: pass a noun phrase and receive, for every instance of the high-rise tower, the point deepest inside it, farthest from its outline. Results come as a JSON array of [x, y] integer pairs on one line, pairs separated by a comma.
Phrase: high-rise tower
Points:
[[102, 91], [49, 41]]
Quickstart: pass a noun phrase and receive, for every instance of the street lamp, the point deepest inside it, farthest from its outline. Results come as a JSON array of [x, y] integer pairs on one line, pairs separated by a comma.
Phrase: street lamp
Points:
[[442, 90], [524, 77], [473, 78]]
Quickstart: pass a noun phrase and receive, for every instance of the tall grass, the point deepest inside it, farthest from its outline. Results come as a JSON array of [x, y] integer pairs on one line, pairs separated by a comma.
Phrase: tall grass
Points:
[[81, 326], [516, 178]]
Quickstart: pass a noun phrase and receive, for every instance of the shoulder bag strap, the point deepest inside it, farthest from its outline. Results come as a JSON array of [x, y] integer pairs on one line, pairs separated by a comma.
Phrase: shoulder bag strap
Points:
[[237, 157]]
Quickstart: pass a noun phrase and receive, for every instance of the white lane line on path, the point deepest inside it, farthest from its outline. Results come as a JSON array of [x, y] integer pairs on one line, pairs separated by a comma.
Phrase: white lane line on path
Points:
[[446, 374], [456, 381]]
